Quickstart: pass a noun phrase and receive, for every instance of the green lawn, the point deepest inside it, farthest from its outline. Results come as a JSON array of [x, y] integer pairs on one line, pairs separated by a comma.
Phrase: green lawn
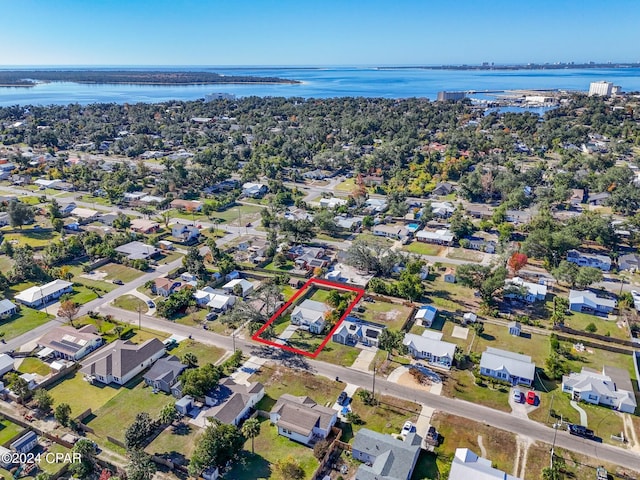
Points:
[[176, 441], [496, 336], [239, 215], [33, 238], [205, 353], [288, 292], [346, 186], [120, 272], [131, 303], [279, 380], [26, 320], [169, 257], [82, 294], [338, 354], [269, 448], [393, 315], [118, 413], [34, 365], [450, 296], [54, 467], [303, 340], [464, 254], [80, 394], [422, 248], [579, 321], [461, 384], [318, 294], [283, 268], [8, 430]]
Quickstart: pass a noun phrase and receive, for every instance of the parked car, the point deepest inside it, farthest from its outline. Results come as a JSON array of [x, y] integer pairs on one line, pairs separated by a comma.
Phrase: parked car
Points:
[[517, 395], [342, 398], [406, 429], [211, 316], [118, 282], [580, 431], [531, 397], [150, 304]]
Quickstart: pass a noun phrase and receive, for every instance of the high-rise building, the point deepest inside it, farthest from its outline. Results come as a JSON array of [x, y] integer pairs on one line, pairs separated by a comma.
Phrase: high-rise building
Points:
[[603, 89], [455, 96]]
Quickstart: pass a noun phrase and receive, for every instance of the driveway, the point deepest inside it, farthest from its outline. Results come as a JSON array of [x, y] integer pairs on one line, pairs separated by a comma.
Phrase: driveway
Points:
[[520, 410], [364, 359]]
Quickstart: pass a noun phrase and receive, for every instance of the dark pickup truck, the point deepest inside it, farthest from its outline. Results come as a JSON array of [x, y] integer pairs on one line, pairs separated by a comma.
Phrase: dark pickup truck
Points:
[[580, 431]]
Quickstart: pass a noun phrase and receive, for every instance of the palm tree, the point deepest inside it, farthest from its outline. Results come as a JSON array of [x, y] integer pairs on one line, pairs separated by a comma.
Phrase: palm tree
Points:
[[251, 429]]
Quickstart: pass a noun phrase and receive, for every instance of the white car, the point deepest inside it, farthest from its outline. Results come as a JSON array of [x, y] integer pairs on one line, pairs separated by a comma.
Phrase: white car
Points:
[[406, 429]]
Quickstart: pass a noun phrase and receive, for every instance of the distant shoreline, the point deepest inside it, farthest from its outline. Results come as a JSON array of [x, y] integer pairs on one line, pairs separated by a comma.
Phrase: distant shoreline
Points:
[[532, 66], [30, 78]]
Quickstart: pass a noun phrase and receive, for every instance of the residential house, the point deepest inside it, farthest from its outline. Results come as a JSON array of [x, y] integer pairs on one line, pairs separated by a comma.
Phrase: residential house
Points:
[[185, 233], [439, 237], [7, 308], [431, 348], [529, 292], [450, 275], [85, 215], [40, 295], [467, 465], [332, 202], [246, 287], [350, 224], [612, 388], [31, 379], [507, 366], [107, 218], [603, 262], [6, 363], [469, 317], [151, 200], [25, 443], [395, 231], [164, 286], [353, 331], [231, 402], [425, 315], [310, 314], [577, 197], [216, 300], [68, 208], [630, 261], [515, 328], [376, 205], [442, 188], [479, 242], [316, 174], [166, 245], [588, 302], [254, 190], [184, 405], [301, 419], [518, 216], [187, 205], [44, 183], [137, 250], [442, 209], [598, 198], [121, 360], [141, 225], [133, 197], [370, 180], [211, 473], [385, 457], [479, 210], [69, 343], [164, 373]]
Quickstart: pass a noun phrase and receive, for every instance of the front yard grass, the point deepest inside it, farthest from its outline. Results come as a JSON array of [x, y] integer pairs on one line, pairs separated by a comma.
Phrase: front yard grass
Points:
[[34, 365], [8, 430], [80, 394], [239, 215], [460, 432], [392, 315], [131, 303], [118, 413], [461, 384], [269, 449], [205, 353], [579, 321], [422, 248], [26, 320], [464, 254], [278, 380], [175, 441], [116, 271], [82, 294], [33, 238], [338, 354]]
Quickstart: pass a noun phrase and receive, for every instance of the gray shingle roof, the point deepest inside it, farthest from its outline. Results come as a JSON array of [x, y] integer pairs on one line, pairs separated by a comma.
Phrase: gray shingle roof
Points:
[[119, 358], [394, 459]]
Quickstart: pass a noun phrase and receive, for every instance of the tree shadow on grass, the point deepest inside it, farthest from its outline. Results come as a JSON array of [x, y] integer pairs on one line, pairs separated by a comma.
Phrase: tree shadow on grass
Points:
[[250, 467]]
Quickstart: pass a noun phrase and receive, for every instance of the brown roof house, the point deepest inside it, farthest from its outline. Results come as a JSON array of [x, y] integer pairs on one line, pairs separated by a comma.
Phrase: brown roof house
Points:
[[122, 360], [68, 343], [301, 419], [230, 402]]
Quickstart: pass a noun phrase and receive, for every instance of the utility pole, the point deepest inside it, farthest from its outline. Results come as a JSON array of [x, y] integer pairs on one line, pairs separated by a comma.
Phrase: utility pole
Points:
[[233, 338], [373, 393], [550, 408], [139, 310]]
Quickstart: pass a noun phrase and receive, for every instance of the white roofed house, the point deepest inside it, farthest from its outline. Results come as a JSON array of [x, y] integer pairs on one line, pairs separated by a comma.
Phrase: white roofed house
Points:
[[254, 190], [7, 308], [439, 237], [588, 302], [612, 388], [507, 366], [38, 296], [467, 465], [246, 286], [185, 233], [85, 215], [353, 331], [431, 348], [520, 289], [581, 259], [390, 231], [310, 314], [216, 300]]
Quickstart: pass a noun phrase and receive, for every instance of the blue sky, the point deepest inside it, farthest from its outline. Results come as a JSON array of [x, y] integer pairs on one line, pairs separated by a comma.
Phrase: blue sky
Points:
[[330, 32]]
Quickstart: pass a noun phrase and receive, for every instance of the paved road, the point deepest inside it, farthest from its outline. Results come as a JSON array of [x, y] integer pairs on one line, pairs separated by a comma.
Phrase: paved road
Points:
[[479, 413]]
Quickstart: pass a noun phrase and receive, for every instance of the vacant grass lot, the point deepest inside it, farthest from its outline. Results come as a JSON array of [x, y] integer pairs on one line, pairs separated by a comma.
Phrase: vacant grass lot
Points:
[[34, 365], [462, 433], [26, 320], [118, 413], [8, 430], [82, 294], [422, 248], [80, 394], [452, 297], [131, 303], [239, 215], [392, 315], [461, 384], [6, 264], [497, 336], [115, 271], [269, 449], [205, 353], [466, 255], [33, 238], [579, 321], [175, 441], [338, 354]]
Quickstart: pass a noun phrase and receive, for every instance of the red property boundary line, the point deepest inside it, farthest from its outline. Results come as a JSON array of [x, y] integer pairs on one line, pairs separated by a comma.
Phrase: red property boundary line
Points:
[[317, 281]]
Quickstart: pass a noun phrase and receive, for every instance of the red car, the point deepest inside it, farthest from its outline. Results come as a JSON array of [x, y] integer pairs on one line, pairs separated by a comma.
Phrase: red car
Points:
[[531, 397]]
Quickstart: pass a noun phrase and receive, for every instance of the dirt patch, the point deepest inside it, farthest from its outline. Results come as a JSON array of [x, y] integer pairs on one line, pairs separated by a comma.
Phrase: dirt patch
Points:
[[95, 275], [408, 380]]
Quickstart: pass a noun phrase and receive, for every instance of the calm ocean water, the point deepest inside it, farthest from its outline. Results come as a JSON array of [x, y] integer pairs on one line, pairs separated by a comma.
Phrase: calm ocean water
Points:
[[325, 83]]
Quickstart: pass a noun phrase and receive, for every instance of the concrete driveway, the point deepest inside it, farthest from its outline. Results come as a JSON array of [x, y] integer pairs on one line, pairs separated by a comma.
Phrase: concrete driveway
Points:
[[364, 359]]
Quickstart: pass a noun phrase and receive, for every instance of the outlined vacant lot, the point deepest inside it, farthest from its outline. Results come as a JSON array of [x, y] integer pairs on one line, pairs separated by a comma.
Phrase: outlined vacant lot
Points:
[[313, 282]]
